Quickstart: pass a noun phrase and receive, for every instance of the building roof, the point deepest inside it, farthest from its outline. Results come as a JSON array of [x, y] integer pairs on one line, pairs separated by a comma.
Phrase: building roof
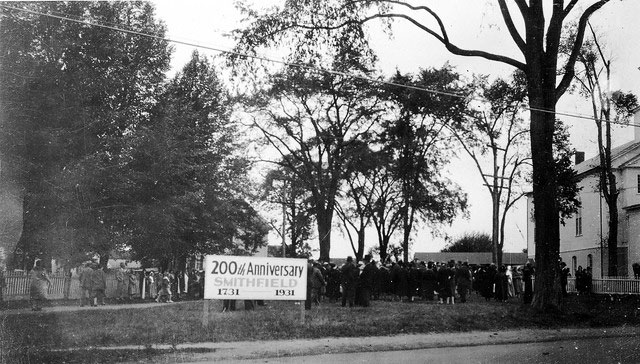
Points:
[[621, 156], [472, 258]]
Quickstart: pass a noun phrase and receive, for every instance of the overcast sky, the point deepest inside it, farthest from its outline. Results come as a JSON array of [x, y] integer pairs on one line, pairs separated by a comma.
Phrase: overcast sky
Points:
[[471, 24]]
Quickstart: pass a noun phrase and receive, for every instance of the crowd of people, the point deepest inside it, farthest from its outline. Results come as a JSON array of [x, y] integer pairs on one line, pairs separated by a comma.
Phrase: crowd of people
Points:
[[445, 282], [351, 284], [161, 287]]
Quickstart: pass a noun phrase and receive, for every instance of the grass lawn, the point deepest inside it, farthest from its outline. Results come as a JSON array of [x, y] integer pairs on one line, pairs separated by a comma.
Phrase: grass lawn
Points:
[[37, 333]]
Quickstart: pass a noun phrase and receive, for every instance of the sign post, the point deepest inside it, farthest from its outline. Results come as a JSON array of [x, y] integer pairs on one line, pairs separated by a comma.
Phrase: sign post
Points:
[[254, 278]]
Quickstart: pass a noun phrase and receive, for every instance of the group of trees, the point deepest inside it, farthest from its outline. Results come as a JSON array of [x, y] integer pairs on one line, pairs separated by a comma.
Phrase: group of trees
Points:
[[110, 154], [537, 33], [370, 153]]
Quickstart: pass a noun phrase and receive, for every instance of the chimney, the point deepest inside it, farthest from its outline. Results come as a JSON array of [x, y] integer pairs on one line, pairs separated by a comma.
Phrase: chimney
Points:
[[579, 157]]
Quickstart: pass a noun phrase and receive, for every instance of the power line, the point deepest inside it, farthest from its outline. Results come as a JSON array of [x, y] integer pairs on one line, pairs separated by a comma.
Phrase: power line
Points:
[[298, 65]]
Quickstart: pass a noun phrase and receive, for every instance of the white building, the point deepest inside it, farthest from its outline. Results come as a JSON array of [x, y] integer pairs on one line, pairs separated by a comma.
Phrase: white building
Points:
[[583, 237]]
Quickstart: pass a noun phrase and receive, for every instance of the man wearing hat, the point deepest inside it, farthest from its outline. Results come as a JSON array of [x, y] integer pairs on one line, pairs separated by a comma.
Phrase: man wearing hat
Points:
[[367, 278], [349, 281]]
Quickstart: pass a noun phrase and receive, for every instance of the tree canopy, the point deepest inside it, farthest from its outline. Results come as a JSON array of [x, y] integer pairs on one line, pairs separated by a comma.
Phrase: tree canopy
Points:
[[474, 242], [109, 154]]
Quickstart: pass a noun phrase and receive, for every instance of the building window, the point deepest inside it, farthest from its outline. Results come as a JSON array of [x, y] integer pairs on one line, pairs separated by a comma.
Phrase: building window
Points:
[[574, 264], [590, 261], [638, 184], [579, 222]]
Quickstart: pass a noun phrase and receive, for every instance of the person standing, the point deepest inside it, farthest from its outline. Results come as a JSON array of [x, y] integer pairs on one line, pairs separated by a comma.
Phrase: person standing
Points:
[[3, 283], [527, 277], [463, 281], [565, 272], [98, 286], [165, 291], [39, 285], [131, 288], [315, 282], [85, 284], [367, 278], [121, 282], [510, 289], [151, 285], [228, 305], [349, 281]]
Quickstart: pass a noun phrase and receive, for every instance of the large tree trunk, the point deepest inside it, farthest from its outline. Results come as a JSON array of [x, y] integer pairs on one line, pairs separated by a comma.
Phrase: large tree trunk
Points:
[[324, 218], [406, 232], [612, 240], [610, 191], [361, 242], [384, 245], [497, 253], [548, 294]]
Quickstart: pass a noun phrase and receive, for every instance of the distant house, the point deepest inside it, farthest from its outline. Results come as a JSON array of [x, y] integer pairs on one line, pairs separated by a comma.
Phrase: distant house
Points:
[[583, 237], [472, 258]]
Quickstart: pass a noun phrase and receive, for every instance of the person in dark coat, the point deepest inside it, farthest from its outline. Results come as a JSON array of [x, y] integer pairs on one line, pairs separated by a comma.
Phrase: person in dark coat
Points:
[[399, 280], [501, 285], [413, 281], [527, 277], [588, 280], [98, 286], [228, 305], [451, 282], [430, 282], [367, 278], [349, 276], [463, 281], [315, 283], [333, 283], [636, 270], [384, 279], [579, 282], [84, 277]]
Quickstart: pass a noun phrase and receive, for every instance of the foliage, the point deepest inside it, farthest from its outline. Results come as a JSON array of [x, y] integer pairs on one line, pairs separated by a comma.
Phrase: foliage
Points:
[[495, 130], [109, 155], [470, 242], [413, 135], [284, 189], [186, 177], [566, 177], [312, 121], [71, 92], [536, 29]]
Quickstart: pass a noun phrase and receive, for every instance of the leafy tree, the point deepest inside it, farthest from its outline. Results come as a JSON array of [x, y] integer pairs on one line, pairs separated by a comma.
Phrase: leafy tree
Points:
[[470, 242], [282, 188], [313, 119], [186, 179], [354, 209], [497, 130], [536, 33], [385, 209], [592, 77], [414, 137], [72, 91], [566, 177]]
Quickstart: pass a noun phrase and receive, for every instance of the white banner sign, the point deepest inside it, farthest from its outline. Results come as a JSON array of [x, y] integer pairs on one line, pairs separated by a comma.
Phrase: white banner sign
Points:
[[255, 278]]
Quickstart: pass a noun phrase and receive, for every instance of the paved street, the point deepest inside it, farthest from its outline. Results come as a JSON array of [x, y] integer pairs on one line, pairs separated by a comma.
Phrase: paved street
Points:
[[608, 350]]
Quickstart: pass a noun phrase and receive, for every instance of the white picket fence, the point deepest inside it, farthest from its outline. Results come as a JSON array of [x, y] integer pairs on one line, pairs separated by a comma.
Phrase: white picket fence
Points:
[[62, 287], [609, 285]]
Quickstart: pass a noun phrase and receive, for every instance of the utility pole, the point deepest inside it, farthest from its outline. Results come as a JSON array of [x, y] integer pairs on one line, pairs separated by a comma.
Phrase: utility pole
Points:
[[284, 218]]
